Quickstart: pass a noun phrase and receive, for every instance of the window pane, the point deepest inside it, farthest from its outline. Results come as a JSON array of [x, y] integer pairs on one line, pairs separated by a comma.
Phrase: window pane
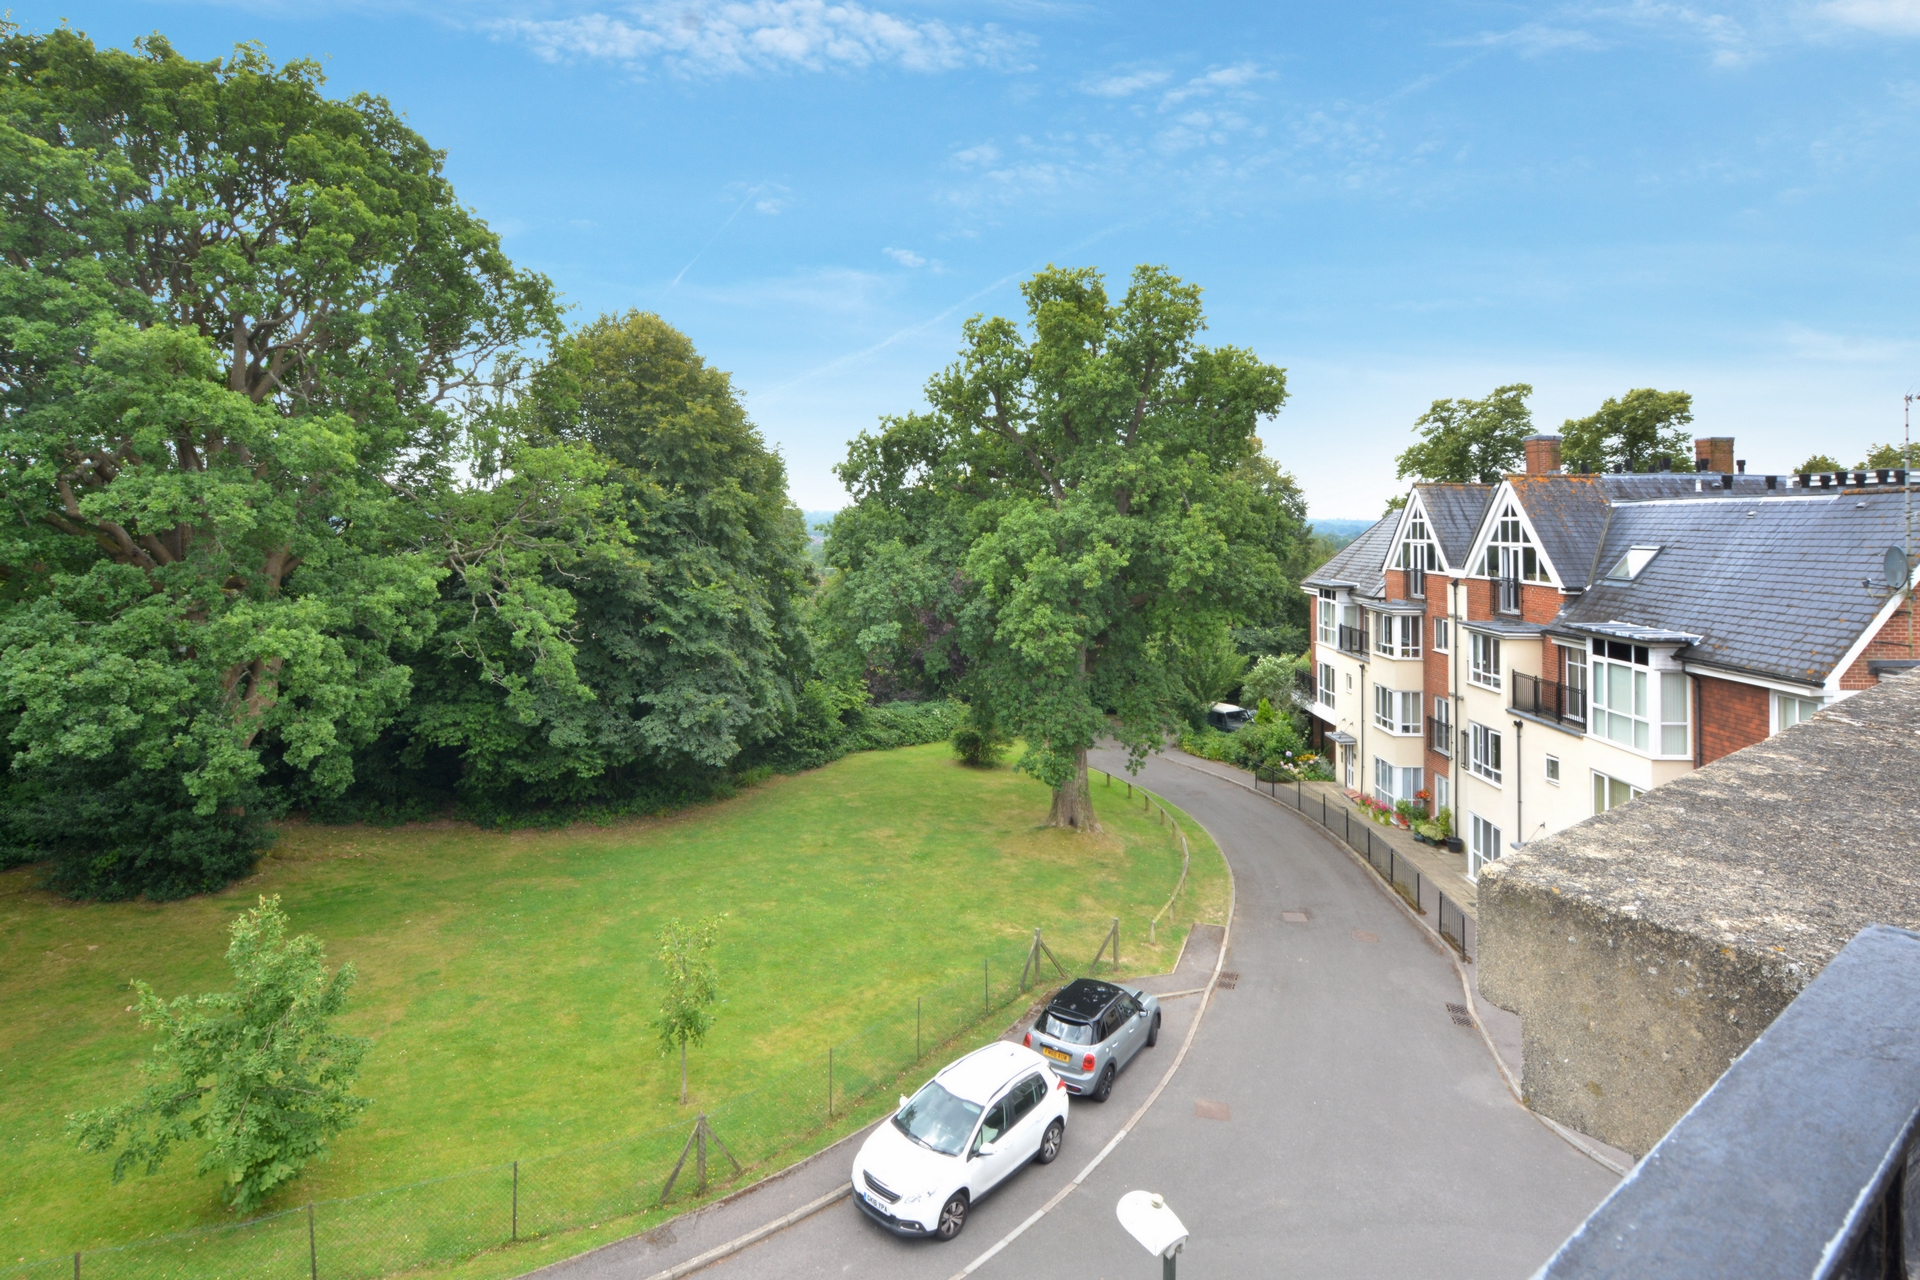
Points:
[[1673, 740], [1640, 693], [1642, 737], [1618, 792], [1673, 697], [1619, 728], [1599, 793], [1619, 684]]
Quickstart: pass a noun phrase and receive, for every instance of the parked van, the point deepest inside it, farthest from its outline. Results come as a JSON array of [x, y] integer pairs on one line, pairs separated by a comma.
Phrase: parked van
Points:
[[1226, 717]]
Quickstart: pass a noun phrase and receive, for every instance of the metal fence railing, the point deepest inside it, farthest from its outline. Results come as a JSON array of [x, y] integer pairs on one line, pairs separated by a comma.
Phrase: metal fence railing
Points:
[[1443, 915], [448, 1219]]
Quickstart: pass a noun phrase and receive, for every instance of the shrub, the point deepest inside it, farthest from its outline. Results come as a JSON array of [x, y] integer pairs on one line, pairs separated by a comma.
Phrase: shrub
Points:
[[113, 831], [976, 740]]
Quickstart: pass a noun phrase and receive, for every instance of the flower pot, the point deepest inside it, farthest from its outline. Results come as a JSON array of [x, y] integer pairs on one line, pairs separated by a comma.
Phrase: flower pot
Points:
[[1455, 844]]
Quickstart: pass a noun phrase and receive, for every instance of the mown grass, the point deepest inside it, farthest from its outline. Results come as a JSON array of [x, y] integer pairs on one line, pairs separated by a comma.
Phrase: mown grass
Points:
[[507, 978]]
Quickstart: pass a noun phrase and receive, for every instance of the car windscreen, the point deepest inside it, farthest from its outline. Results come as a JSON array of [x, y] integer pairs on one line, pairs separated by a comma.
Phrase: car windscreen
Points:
[[1067, 1032], [937, 1120]]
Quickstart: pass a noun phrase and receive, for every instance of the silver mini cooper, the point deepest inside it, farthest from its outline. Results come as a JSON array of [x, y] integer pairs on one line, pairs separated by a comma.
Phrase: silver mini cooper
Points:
[[1091, 1030]]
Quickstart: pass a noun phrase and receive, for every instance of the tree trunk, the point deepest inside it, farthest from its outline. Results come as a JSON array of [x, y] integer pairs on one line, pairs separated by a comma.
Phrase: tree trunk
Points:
[[683, 1073], [1073, 802]]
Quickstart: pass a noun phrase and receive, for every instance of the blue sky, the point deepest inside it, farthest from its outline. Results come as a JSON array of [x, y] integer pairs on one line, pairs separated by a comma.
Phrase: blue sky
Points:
[[1395, 202]]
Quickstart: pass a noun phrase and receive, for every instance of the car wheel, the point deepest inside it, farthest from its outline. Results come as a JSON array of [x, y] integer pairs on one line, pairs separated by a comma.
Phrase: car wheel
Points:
[[1050, 1142], [1104, 1090], [1153, 1032], [953, 1216]]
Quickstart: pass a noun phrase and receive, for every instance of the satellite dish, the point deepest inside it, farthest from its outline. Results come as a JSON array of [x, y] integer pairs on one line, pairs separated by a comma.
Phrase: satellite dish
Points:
[[1896, 569]]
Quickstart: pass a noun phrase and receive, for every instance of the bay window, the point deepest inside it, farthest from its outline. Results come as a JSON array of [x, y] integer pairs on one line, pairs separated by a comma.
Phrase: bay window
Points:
[[1484, 667]]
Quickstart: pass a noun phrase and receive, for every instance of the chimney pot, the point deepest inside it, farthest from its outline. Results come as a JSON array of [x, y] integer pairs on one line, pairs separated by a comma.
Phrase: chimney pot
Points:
[[1741, 464], [1542, 454]]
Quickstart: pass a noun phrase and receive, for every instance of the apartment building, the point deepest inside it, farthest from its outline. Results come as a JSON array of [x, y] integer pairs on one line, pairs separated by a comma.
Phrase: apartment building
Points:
[[1537, 651]]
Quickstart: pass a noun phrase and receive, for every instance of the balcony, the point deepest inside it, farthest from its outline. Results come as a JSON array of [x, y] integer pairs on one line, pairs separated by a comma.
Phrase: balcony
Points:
[[1506, 594], [1306, 691], [1550, 700], [1440, 735], [1417, 581], [1353, 640]]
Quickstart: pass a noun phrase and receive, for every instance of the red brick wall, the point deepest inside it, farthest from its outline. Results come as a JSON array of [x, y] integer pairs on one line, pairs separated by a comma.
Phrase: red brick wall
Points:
[[1732, 716], [1437, 682], [1890, 643], [1479, 597], [1540, 604]]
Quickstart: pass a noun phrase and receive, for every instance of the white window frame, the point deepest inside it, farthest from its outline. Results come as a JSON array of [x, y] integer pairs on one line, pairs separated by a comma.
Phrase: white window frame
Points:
[[1485, 752], [1327, 684], [1440, 637], [1553, 771], [1603, 789], [1483, 667], [1442, 787], [1397, 635], [1329, 620], [1392, 783], [1398, 711], [1443, 717], [1510, 550], [1789, 709], [1483, 844], [1650, 702]]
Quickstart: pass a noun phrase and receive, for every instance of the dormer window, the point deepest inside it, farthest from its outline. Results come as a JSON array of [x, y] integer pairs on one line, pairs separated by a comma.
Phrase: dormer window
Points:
[[1510, 551], [1418, 555], [1628, 566]]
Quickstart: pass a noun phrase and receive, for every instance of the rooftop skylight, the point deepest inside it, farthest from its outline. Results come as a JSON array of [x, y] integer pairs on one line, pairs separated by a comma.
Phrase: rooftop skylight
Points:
[[1628, 567]]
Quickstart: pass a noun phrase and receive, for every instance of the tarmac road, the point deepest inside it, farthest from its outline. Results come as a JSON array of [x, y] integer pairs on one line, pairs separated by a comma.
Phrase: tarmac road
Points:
[[1331, 1119]]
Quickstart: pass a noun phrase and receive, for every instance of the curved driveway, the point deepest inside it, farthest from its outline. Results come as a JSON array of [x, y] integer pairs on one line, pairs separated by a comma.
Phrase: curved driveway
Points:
[[1331, 1120]]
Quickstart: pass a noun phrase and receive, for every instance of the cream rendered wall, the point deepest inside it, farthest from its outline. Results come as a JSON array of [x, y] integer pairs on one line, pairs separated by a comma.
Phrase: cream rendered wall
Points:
[[1493, 802], [1402, 752]]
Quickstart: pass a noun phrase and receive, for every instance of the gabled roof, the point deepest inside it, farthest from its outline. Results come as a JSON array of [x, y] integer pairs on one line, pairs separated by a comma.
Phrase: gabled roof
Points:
[[1360, 564], [1569, 517], [1772, 588], [1651, 486], [1454, 511]]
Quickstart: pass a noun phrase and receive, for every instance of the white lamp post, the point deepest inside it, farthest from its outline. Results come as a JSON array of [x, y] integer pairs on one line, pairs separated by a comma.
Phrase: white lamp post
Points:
[[1147, 1219]]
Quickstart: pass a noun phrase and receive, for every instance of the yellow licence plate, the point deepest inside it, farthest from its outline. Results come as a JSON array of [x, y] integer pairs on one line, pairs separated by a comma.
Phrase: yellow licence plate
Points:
[[1055, 1054]]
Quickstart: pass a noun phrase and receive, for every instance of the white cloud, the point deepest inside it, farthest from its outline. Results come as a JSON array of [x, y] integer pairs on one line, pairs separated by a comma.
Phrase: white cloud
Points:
[[905, 257], [984, 154], [1226, 78], [1891, 17], [1533, 39], [738, 37], [1124, 86]]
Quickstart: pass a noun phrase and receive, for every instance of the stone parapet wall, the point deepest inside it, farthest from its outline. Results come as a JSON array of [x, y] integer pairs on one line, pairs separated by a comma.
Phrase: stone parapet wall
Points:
[[1645, 948]]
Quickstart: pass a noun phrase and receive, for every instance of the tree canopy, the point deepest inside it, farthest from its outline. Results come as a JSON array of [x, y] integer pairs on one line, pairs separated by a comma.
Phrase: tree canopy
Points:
[[1082, 514], [314, 502], [1632, 432], [1470, 441]]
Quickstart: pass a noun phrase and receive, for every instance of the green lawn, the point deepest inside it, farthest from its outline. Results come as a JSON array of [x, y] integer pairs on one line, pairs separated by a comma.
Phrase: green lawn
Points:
[[507, 980]]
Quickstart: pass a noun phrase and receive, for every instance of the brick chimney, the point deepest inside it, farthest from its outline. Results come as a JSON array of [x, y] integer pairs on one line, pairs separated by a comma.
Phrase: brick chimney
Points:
[[1543, 454], [1713, 453]]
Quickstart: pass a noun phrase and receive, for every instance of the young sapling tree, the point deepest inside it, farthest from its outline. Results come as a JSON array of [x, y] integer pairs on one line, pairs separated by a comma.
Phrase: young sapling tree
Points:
[[692, 988], [258, 1074]]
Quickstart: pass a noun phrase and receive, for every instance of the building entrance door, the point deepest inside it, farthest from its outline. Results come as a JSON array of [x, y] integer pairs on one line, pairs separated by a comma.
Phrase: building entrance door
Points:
[[1346, 763]]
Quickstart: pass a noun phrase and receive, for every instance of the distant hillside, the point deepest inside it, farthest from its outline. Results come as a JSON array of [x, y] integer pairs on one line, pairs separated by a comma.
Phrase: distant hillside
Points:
[[1344, 530]]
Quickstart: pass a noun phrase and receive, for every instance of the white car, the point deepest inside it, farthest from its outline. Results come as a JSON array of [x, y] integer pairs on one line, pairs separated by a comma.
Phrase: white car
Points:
[[966, 1131]]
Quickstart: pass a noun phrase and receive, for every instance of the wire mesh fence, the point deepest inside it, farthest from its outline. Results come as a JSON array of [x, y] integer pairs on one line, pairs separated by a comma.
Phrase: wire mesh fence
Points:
[[447, 1219]]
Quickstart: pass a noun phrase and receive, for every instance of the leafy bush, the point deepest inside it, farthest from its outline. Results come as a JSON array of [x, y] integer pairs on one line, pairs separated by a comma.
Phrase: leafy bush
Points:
[[113, 831], [977, 741]]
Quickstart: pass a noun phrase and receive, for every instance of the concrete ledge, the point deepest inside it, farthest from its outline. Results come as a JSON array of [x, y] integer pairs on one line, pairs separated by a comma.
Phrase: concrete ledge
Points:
[[1644, 949]]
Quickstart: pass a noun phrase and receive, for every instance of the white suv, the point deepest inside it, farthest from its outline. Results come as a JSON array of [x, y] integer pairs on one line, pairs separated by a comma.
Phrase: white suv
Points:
[[966, 1131]]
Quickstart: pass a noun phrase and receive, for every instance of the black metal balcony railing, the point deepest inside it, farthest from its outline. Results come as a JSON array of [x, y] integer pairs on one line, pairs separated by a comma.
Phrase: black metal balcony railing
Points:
[[1353, 640], [1550, 700], [1417, 581], [1441, 733], [1507, 594]]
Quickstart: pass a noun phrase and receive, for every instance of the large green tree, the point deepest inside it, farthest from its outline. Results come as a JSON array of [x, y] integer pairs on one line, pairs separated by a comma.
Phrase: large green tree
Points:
[[242, 329], [685, 628], [1470, 441], [1632, 431], [1083, 510]]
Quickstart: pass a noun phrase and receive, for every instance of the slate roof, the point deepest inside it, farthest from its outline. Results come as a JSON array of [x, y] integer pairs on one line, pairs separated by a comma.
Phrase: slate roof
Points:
[[1454, 512], [1771, 588], [1361, 563], [1651, 486], [1569, 516]]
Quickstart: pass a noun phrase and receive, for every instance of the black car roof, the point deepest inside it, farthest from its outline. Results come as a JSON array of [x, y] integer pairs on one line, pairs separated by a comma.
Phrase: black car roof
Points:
[[1084, 999]]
